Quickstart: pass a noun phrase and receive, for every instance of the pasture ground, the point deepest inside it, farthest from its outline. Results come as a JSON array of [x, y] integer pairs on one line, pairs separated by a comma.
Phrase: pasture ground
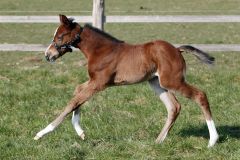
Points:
[[120, 122]]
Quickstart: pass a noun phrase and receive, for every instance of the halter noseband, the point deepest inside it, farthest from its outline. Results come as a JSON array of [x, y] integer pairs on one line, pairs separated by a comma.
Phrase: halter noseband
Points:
[[68, 45]]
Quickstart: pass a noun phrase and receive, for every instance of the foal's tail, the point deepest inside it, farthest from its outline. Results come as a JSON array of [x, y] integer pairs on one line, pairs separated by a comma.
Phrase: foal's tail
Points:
[[201, 55]]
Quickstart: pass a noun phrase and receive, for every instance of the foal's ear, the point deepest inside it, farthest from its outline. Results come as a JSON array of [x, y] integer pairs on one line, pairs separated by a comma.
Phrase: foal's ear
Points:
[[64, 20]]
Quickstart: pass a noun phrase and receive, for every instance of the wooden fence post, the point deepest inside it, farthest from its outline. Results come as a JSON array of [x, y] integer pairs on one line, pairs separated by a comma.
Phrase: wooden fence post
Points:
[[98, 14]]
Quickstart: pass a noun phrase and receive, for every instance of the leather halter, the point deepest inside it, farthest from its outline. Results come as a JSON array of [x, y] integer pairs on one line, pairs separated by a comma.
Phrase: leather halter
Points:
[[67, 46]]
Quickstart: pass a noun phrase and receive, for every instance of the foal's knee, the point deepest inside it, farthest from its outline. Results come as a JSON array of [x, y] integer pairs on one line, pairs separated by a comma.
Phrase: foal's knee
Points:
[[78, 89]]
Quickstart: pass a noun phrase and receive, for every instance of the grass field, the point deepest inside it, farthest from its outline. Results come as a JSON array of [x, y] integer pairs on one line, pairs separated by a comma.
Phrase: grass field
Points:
[[120, 7], [120, 122]]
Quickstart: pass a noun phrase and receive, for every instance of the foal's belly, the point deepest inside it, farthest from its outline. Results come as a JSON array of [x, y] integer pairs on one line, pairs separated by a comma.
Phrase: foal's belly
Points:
[[128, 77], [134, 68], [131, 79]]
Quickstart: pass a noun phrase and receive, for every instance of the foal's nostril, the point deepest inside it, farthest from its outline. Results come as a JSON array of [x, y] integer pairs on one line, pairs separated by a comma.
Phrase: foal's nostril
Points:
[[47, 57]]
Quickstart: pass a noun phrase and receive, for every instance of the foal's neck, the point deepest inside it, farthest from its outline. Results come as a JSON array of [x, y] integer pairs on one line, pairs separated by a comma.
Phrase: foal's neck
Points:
[[94, 42]]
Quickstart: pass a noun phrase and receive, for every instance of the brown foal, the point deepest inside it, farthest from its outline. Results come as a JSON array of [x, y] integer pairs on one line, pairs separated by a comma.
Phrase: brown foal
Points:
[[113, 62]]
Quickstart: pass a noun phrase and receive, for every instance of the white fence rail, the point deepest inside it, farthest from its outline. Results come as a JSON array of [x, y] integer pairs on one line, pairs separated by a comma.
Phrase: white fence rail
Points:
[[42, 48], [126, 19], [98, 19]]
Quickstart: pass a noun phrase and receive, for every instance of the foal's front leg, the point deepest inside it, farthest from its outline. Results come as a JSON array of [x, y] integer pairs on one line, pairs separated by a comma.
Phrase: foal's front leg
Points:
[[75, 123], [87, 91]]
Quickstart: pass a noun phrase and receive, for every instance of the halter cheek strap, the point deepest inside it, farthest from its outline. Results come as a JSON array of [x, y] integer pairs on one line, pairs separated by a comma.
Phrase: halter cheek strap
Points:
[[68, 45]]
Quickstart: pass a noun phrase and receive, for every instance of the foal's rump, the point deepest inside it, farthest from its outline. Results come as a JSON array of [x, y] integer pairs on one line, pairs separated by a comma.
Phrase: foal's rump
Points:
[[169, 52], [171, 64]]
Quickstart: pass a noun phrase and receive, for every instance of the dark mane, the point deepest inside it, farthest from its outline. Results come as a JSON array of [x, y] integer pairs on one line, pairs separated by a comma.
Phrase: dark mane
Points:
[[71, 19], [103, 33]]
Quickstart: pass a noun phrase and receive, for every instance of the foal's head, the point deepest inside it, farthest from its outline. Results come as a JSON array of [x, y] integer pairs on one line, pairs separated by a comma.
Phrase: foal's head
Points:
[[67, 35]]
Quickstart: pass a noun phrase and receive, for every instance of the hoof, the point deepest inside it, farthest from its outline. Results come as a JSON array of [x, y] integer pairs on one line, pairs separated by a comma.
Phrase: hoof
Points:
[[213, 141], [161, 138], [36, 138], [82, 136], [158, 141]]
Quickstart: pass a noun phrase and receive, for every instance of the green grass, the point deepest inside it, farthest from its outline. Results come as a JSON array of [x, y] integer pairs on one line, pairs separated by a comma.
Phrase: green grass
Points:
[[120, 122], [134, 33], [120, 7]]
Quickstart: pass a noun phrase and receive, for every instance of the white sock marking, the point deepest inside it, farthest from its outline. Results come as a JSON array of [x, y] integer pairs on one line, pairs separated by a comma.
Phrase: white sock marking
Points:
[[75, 123], [164, 97], [212, 132], [46, 130], [168, 104]]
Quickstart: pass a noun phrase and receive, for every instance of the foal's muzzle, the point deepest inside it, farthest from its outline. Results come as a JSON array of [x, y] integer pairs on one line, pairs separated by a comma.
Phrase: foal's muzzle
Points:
[[47, 57], [51, 59], [51, 56]]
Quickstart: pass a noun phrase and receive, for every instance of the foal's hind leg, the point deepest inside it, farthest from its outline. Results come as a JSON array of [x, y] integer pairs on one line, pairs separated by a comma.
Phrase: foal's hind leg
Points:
[[200, 97], [172, 106]]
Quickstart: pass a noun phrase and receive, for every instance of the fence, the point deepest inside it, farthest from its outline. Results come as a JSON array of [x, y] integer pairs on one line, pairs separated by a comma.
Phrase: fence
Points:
[[98, 19], [125, 19]]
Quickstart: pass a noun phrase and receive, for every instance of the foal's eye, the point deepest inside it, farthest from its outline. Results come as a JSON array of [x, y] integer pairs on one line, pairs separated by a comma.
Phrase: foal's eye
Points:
[[59, 38]]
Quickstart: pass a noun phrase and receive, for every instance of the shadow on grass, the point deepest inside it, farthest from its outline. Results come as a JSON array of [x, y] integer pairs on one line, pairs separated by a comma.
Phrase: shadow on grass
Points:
[[224, 132]]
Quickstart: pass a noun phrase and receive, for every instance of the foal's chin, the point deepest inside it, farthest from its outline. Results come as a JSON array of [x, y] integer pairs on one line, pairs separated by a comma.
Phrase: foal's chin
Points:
[[52, 58], [55, 57]]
